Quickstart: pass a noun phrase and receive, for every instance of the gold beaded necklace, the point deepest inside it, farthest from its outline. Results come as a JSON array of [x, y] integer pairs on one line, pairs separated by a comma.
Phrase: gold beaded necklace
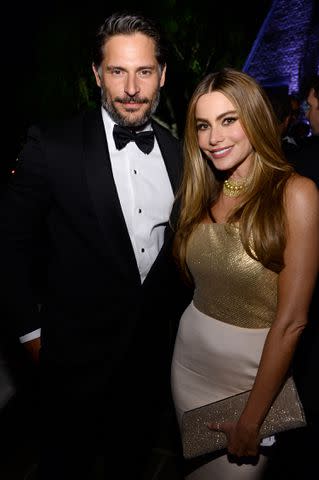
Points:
[[234, 188]]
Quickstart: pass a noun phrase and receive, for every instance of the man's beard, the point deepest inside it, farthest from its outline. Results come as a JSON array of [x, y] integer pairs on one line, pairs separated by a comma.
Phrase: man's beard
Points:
[[119, 118]]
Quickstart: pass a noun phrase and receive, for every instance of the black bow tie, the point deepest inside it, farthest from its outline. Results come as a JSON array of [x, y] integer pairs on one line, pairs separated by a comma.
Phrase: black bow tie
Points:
[[123, 135]]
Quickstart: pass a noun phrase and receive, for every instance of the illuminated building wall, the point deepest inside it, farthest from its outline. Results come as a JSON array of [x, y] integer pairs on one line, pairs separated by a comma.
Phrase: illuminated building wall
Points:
[[286, 50]]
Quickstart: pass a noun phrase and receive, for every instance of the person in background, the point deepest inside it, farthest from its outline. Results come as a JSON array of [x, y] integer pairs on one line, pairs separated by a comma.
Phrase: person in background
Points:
[[298, 128], [295, 108], [240, 240], [103, 186], [296, 113], [306, 160], [281, 103]]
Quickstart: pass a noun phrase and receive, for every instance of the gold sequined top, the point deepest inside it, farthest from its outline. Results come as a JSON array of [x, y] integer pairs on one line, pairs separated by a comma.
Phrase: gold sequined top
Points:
[[230, 286]]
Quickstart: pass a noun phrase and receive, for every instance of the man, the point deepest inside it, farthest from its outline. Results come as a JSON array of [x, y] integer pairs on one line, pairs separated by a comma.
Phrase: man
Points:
[[103, 184], [281, 103], [306, 159], [313, 105]]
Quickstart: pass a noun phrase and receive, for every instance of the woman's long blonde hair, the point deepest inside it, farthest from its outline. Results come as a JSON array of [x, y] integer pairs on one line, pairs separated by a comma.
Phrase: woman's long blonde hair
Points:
[[261, 210]]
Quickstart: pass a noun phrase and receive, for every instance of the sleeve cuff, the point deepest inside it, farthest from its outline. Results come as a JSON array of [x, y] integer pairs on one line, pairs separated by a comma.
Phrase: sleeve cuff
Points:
[[30, 336]]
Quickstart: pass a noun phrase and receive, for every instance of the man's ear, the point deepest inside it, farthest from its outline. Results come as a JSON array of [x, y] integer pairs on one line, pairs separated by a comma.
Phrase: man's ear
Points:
[[163, 76], [96, 74]]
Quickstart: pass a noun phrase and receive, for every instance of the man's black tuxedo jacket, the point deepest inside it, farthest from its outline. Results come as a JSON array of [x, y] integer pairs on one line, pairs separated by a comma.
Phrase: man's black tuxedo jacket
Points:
[[94, 307]]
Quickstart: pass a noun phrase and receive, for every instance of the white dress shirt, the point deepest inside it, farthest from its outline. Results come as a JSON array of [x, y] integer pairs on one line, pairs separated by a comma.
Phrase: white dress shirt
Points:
[[145, 195]]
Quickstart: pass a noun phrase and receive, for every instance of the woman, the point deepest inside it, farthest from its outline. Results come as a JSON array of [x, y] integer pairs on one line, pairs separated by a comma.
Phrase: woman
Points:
[[248, 238]]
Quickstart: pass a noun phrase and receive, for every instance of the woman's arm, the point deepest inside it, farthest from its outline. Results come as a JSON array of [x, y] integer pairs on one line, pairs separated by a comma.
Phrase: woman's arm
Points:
[[295, 286]]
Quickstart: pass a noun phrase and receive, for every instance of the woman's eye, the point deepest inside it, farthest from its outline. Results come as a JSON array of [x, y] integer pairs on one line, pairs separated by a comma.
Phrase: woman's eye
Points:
[[229, 120], [201, 126]]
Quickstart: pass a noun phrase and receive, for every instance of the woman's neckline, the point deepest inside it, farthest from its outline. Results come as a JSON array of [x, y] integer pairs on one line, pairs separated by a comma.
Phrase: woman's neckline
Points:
[[211, 216], [214, 223], [212, 219]]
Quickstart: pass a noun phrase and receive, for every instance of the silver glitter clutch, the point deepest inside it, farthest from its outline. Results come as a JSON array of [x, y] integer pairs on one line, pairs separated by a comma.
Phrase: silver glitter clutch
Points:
[[285, 413]]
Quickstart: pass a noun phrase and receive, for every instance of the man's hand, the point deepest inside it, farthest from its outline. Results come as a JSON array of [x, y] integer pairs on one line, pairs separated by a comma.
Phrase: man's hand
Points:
[[33, 348]]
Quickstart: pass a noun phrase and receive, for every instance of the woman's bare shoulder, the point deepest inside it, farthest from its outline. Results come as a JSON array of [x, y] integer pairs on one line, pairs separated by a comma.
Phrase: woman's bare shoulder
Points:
[[301, 195]]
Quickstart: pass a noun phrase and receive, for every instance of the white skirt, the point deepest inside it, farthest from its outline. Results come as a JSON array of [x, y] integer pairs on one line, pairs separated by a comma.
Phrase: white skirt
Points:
[[211, 361]]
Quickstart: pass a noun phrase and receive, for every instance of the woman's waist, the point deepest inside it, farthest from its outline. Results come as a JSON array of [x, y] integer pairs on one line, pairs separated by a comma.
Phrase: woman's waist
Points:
[[236, 310]]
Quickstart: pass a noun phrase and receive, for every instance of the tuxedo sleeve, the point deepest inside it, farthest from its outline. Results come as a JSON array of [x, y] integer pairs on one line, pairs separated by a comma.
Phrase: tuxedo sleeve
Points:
[[23, 208]]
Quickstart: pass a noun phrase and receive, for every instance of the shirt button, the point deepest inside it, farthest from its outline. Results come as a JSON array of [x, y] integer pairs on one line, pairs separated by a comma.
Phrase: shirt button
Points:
[[135, 172], [139, 210], [142, 250]]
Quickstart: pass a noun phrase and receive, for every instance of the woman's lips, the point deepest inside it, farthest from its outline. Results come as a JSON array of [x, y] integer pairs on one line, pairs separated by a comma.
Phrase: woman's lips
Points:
[[220, 152]]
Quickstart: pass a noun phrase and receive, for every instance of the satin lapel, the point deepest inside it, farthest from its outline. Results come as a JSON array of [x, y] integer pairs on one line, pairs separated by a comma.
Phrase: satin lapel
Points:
[[171, 153], [115, 243]]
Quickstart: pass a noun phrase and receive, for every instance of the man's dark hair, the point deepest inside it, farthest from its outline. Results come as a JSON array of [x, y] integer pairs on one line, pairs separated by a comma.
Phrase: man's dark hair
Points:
[[125, 23]]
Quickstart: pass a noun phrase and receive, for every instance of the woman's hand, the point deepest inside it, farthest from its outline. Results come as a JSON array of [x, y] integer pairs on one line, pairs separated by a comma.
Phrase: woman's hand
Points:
[[242, 439]]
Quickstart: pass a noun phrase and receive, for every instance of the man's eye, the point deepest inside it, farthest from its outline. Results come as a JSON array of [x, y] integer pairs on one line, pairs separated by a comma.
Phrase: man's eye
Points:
[[145, 73], [116, 71]]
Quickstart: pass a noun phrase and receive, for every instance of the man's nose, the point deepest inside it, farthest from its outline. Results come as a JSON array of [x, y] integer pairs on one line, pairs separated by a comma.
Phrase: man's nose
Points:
[[131, 85]]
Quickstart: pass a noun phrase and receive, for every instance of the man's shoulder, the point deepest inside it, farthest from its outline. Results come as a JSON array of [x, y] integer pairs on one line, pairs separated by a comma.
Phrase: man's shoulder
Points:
[[63, 127]]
